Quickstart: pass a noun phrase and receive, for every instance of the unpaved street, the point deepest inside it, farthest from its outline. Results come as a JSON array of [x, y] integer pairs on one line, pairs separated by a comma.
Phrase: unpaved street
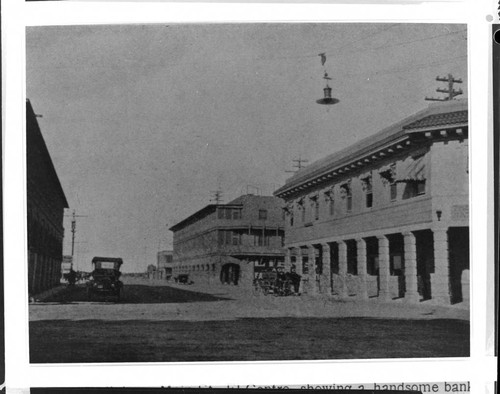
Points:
[[156, 321]]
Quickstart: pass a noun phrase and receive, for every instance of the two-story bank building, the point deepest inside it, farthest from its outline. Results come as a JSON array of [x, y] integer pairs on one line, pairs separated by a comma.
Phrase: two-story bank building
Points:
[[389, 216], [229, 243]]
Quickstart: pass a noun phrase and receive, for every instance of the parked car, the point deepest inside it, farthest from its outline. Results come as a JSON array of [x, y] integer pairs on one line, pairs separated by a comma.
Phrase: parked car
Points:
[[183, 279], [104, 279]]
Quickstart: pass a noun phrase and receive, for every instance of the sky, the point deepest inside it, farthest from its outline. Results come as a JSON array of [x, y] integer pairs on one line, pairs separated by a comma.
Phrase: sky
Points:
[[144, 122]]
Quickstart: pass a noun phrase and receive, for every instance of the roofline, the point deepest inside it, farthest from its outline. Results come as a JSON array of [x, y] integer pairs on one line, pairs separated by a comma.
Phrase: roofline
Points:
[[31, 113], [399, 135], [110, 259], [207, 208]]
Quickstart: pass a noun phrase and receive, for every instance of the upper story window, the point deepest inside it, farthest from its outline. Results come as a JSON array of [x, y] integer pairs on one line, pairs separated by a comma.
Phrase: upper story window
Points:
[[261, 239], [229, 237], [229, 213], [302, 208], [388, 175], [414, 176], [236, 238], [314, 198], [262, 214], [346, 192], [330, 200], [366, 181], [236, 214]]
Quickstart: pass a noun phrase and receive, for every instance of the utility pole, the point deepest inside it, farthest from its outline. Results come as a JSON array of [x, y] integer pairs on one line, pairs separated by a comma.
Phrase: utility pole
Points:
[[73, 232], [450, 91], [216, 196], [298, 164]]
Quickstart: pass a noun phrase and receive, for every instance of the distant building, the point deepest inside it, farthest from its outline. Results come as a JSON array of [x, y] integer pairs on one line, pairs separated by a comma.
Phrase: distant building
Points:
[[165, 264], [66, 266], [229, 243], [389, 216], [46, 203]]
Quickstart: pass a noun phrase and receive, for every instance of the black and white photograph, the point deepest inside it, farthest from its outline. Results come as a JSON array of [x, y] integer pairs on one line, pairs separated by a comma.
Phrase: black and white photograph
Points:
[[247, 192]]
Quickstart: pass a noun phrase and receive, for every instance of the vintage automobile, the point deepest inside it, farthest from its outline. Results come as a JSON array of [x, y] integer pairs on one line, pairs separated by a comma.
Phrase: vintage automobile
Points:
[[183, 279], [105, 278]]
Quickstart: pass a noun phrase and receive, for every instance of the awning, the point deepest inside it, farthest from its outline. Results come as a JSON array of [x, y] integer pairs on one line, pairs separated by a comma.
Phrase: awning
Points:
[[414, 170]]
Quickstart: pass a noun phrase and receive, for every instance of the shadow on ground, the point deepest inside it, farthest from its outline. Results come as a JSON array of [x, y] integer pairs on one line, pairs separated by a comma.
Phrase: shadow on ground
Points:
[[66, 341], [135, 294]]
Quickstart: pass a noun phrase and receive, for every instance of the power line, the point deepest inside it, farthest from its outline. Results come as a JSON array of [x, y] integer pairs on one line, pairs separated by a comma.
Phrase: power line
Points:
[[450, 91], [331, 52], [216, 196], [298, 164], [408, 68], [73, 230]]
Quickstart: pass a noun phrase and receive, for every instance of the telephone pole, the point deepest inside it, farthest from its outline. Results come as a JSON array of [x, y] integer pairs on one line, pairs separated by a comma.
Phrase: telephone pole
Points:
[[216, 196], [450, 91], [298, 164], [73, 230]]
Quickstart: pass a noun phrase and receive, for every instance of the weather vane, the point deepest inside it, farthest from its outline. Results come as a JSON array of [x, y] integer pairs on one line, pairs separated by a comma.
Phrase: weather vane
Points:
[[327, 90]]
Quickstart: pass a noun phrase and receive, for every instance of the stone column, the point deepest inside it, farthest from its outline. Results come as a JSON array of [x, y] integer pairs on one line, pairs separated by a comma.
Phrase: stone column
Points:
[[298, 262], [440, 279], [411, 293], [343, 268], [288, 260], [311, 257], [362, 292], [384, 273], [326, 277]]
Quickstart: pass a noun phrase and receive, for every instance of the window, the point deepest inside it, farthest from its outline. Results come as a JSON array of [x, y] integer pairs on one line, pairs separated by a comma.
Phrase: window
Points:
[[347, 195], [221, 213], [366, 181], [305, 264], [303, 213], [331, 206], [369, 194], [413, 189], [394, 191], [291, 219], [236, 214], [228, 213], [261, 239], [229, 235], [236, 238], [316, 210], [262, 214], [420, 188]]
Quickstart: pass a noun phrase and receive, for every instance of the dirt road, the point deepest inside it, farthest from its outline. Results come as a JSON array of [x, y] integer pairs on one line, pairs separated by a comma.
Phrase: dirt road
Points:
[[159, 322]]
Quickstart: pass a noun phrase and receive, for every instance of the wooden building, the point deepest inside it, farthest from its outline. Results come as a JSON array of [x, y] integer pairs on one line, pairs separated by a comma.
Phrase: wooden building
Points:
[[45, 207], [229, 243]]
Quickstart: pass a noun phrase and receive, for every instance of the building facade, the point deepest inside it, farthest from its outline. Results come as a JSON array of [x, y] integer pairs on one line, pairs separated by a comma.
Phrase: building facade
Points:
[[230, 243], [45, 206], [389, 216], [165, 263]]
